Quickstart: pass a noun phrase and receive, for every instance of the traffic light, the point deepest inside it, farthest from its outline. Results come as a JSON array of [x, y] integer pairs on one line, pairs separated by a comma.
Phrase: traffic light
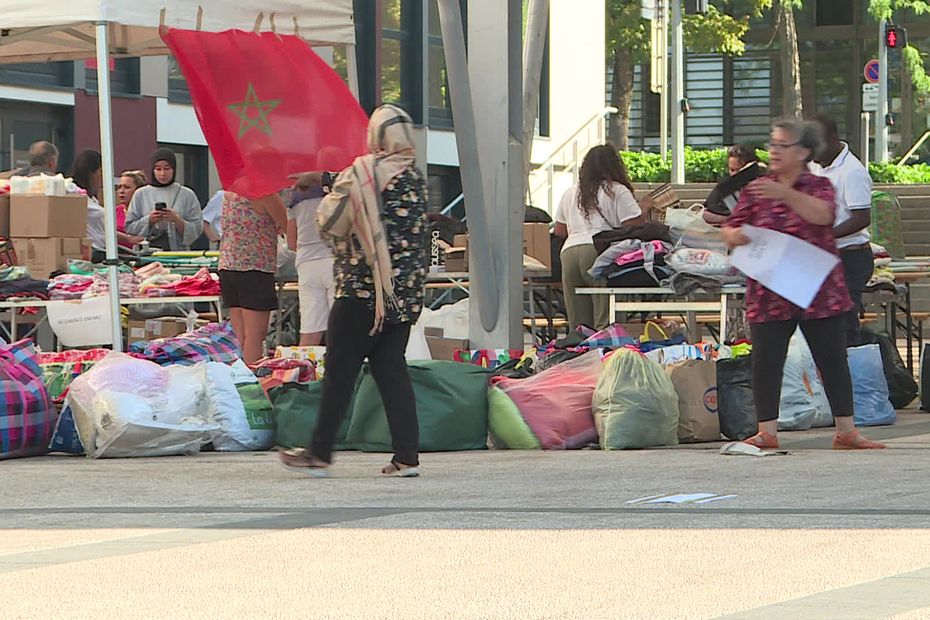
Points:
[[895, 37], [695, 7]]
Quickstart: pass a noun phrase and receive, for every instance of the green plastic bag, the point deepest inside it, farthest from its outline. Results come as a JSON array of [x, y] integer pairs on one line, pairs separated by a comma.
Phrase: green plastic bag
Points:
[[295, 413], [452, 409], [635, 403], [509, 430], [885, 228]]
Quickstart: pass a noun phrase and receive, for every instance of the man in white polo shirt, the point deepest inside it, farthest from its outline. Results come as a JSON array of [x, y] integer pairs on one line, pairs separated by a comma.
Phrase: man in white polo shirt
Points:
[[853, 187]]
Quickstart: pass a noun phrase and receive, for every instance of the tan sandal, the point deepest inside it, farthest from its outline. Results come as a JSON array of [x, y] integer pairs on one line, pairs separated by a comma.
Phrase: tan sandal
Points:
[[855, 441], [399, 470], [301, 462], [763, 441]]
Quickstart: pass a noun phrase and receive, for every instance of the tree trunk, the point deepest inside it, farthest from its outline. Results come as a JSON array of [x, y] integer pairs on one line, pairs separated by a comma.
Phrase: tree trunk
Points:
[[792, 103], [621, 97]]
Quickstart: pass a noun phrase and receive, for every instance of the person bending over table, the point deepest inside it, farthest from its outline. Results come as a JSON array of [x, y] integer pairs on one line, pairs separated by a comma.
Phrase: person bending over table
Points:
[[743, 167], [793, 201], [602, 200]]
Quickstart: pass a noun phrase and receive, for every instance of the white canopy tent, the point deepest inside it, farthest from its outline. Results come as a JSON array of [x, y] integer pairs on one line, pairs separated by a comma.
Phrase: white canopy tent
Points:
[[60, 30]]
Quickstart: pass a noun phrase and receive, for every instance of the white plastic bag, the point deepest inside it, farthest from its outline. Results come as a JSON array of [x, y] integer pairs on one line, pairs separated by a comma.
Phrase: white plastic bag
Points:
[[417, 347], [81, 323], [125, 407], [235, 432], [452, 319], [804, 401]]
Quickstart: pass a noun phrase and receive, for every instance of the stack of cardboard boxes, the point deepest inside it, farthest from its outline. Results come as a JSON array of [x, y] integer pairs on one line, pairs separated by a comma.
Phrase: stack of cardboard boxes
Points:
[[46, 230], [165, 327], [536, 244]]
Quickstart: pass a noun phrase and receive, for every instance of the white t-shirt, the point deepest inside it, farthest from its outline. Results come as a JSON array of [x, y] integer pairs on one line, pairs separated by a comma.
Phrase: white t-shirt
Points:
[[213, 212], [96, 228], [853, 187], [309, 244], [617, 206]]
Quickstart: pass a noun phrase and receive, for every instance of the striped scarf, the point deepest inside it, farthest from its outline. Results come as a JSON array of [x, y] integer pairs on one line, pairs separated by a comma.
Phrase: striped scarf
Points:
[[354, 206]]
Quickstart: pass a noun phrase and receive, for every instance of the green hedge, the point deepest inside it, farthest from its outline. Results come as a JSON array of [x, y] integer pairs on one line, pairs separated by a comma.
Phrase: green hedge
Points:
[[707, 166]]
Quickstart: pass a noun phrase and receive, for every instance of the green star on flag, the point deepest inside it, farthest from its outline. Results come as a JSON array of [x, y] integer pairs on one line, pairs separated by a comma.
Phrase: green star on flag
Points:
[[243, 109]]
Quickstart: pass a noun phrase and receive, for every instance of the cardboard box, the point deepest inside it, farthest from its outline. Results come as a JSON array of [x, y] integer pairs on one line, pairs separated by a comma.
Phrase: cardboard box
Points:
[[536, 244], [456, 260], [165, 327], [5, 217], [48, 216], [441, 348], [45, 256]]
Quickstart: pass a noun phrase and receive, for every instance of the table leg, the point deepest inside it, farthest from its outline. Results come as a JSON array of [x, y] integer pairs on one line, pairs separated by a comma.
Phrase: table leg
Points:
[[910, 328], [724, 316], [13, 330], [529, 286], [613, 311]]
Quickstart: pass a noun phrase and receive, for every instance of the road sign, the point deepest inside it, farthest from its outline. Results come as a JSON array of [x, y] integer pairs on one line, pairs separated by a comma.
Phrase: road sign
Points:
[[871, 71], [870, 97], [648, 9]]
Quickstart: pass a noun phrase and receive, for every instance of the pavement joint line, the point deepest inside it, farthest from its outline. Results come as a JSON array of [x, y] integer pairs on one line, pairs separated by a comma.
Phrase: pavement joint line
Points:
[[320, 510], [178, 537], [881, 598]]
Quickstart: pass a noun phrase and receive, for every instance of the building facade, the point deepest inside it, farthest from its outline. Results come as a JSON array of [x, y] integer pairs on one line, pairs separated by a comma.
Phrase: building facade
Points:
[[400, 60], [735, 98]]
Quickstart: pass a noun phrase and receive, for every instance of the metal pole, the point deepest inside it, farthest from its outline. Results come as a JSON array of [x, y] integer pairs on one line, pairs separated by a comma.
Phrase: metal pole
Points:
[[864, 137], [352, 69], [466, 135], [533, 51], [662, 16], [881, 127], [678, 95], [109, 192]]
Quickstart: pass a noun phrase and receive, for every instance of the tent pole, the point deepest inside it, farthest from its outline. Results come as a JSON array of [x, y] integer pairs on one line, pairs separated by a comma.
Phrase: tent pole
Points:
[[109, 192], [352, 70]]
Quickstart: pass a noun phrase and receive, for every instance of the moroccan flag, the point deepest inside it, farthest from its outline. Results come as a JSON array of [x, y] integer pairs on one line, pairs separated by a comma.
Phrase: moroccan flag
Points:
[[268, 106]]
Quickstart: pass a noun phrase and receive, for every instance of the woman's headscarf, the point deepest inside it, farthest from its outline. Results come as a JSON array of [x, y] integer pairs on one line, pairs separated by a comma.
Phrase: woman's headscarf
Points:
[[354, 204], [167, 155]]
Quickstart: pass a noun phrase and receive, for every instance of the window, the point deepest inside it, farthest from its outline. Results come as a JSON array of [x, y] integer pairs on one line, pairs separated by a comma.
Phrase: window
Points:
[[834, 12], [177, 85], [52, 74], [124, 76], [440, 102], [651, 105], [401, 63]]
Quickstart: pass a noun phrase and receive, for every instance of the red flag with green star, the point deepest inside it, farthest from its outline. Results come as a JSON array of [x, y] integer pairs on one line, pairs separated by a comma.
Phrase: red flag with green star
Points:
[[268, 106]]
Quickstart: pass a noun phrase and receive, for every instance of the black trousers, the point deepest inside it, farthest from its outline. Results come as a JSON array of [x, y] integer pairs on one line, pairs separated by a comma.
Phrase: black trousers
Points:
[[348, 344], [827, 341], [859, 264]]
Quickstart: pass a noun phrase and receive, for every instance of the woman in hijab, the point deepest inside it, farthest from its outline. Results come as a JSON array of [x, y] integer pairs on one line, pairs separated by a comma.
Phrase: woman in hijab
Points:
[[376, 219], [165, 212]]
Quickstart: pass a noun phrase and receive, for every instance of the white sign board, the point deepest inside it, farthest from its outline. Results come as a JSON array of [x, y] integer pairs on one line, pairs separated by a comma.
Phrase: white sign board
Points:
[[648, 9], [870, 97]]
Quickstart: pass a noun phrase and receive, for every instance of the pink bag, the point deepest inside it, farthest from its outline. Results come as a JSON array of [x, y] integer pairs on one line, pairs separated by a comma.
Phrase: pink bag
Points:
[[27, 415], [556, 403]]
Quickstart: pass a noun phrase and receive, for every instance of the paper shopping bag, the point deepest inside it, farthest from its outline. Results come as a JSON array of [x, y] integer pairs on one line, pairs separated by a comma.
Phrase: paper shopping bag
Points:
[[695, 382]]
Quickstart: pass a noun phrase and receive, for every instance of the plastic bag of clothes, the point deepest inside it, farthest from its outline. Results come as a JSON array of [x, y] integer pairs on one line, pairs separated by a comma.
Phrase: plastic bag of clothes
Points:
[[902, 389], [126, 407], [27, 415], [804, 401], [215, 342], [635, 403], [240, 408], [550, 410], [871, 403]]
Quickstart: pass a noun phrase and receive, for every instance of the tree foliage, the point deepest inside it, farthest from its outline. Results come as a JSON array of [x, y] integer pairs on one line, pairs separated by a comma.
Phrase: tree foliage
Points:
[[910, 55]]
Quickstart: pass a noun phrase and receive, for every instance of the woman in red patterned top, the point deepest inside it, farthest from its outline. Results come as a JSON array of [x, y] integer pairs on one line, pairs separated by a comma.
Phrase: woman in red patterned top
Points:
[[791, 200]]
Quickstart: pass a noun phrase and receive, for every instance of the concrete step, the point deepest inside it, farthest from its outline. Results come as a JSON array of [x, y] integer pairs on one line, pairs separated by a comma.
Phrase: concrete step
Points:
[[917, 226]]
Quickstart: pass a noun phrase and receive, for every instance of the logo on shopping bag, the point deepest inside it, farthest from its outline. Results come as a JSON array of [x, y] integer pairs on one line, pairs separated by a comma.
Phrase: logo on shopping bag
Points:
[[710, 400]]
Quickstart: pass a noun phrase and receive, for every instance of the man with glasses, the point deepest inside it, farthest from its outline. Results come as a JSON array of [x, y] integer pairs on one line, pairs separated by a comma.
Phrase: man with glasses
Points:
[[853, 187]]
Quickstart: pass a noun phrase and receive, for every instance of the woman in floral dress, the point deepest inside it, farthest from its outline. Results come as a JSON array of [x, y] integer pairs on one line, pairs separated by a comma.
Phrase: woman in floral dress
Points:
[[376, 216]]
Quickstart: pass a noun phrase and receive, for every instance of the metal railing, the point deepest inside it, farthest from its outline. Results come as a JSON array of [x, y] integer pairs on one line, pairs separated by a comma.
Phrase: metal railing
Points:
[[564, 159]]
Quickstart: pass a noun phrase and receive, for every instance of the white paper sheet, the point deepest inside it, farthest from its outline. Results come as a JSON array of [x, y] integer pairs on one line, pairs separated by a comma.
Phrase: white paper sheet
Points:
[[784, 264]]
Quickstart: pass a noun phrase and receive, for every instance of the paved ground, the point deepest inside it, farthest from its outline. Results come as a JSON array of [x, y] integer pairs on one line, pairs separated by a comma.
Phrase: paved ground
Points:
[[815, 534]]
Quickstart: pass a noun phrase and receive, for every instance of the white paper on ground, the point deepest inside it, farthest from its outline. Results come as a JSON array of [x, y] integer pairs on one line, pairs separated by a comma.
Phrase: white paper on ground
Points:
[[784, 264], [681, 498]]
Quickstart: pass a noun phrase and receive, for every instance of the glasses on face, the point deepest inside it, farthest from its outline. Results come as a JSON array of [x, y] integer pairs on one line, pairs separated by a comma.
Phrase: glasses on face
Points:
[[780, 146]]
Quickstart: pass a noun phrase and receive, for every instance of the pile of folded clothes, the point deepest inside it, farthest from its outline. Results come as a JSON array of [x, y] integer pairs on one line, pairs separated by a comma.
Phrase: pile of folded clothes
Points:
[[202, 283], [69, 286], [15, 283]]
